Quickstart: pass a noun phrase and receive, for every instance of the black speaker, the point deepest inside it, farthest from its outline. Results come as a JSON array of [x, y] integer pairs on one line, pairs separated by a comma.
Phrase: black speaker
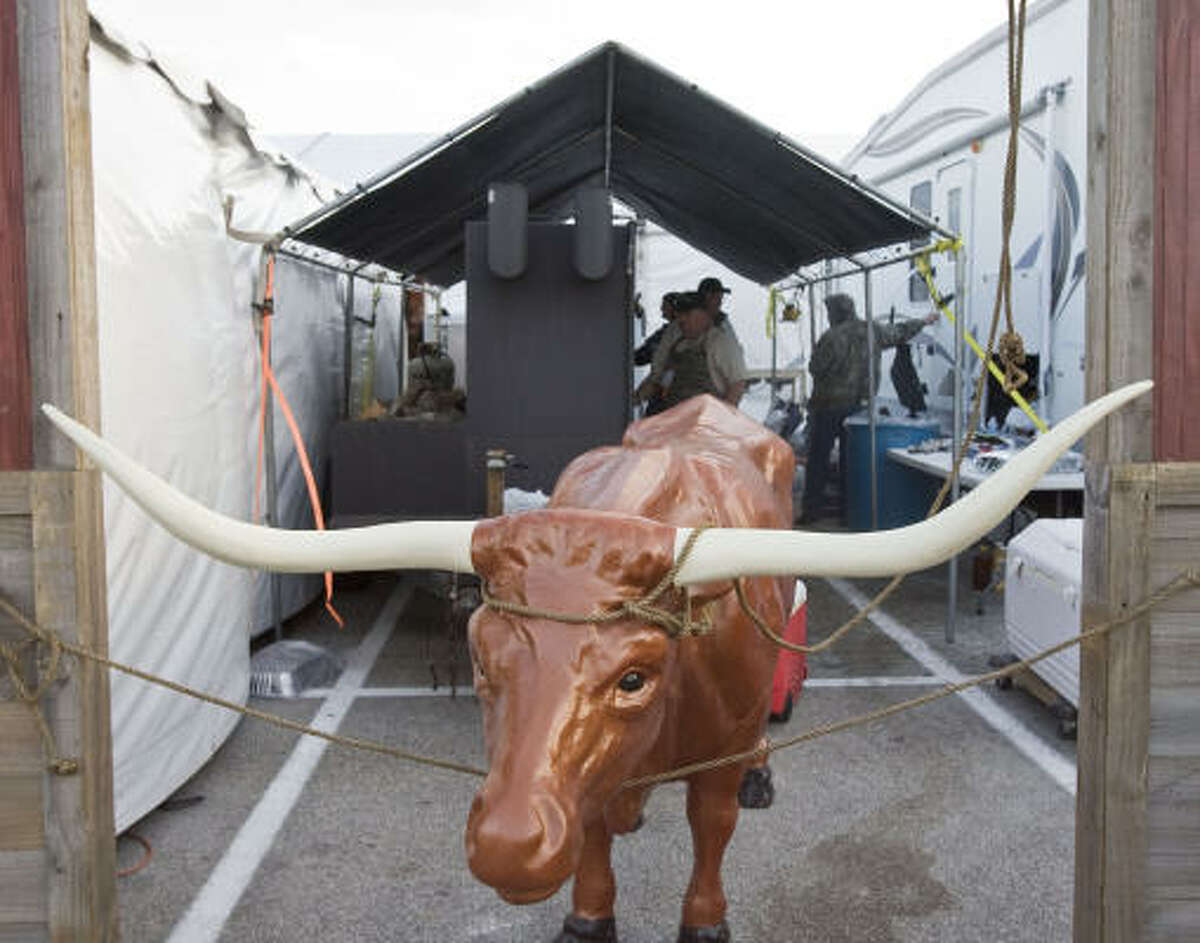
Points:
[[593, 248], [507, 239]]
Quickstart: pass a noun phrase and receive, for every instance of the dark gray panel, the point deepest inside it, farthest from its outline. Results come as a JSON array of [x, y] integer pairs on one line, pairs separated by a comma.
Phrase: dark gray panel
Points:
[[398, 468], [547, 354]]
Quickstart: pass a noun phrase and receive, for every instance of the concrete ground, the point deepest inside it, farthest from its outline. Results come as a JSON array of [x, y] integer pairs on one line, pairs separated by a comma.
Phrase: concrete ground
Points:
[[953, 822]]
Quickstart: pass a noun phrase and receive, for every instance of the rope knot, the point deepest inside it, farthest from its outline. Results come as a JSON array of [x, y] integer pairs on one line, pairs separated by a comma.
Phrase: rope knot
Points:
[[1010, 349], [32, 676]]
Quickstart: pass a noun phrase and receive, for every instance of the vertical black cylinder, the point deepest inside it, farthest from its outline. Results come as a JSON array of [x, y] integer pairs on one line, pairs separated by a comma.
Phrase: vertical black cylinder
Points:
[[508, 217], [593, 247]]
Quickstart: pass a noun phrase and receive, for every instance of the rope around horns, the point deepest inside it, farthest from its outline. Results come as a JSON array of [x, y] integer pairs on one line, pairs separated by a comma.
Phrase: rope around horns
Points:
[[644, 610]]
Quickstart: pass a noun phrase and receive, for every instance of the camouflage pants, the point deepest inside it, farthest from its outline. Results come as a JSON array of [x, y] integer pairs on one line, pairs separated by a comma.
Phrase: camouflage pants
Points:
[[824, 425]]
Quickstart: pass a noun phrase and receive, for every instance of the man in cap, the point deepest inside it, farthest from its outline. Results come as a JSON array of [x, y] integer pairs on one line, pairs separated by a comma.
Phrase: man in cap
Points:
[[838, 367], [645, 353], [695, 356], [713, 293]]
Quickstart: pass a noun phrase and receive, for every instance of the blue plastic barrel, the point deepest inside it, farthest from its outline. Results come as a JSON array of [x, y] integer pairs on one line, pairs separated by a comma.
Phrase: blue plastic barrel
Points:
[[904, 493]]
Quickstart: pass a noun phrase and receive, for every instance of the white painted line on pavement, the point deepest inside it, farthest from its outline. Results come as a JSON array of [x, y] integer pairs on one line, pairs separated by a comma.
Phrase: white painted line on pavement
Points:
[[210, 910], [879, 681], [413, 690], [1058, 768]]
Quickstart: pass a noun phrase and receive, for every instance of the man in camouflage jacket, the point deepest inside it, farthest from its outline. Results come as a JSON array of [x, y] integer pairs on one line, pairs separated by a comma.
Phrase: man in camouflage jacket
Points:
[[838, 367]]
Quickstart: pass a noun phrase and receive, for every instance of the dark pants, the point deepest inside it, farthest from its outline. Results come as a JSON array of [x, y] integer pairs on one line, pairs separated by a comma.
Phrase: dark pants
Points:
[[824, 425]]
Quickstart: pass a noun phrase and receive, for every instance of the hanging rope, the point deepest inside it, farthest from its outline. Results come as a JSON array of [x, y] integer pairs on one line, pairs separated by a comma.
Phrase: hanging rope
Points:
[[1011, 350], [267, 312]]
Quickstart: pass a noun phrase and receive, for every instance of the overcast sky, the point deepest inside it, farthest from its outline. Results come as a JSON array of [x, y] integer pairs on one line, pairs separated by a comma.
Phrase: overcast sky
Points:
[[809, 68]]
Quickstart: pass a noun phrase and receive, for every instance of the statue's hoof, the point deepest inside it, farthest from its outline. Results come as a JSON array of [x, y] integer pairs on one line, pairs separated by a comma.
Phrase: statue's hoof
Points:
[[718, 933], [582, 930], [756, 791]]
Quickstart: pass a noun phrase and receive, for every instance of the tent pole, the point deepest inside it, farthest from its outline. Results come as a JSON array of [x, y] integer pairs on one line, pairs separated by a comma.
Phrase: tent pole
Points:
[[1047, 279], [378, 273], [802, 281], [348, 343], [608, 117], [960, 316], [871, 398], [268, 434]]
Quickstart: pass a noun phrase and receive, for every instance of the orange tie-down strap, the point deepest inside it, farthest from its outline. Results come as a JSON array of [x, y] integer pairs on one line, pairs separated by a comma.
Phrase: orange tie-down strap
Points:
[[289, 417]]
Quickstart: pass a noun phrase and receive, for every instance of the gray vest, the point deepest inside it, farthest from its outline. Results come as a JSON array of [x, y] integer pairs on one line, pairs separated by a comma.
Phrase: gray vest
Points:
[[690, 366]]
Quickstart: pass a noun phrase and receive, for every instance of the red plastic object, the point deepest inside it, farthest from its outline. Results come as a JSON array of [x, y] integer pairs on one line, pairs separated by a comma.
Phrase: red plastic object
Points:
[[791, 669]]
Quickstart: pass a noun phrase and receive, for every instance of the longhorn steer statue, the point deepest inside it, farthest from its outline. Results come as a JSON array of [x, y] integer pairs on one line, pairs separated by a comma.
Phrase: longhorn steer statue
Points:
[[572, 712]]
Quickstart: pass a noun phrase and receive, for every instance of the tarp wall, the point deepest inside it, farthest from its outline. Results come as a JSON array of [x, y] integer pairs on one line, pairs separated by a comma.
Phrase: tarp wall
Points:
[[180, 390]]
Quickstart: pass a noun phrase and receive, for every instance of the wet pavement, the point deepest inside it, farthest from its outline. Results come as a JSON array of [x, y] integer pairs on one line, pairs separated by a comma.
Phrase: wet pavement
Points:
[[945, 823]]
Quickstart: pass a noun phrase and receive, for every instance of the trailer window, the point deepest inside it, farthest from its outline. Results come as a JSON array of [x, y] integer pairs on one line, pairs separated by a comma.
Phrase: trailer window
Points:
[[920, 198], [954, 210]]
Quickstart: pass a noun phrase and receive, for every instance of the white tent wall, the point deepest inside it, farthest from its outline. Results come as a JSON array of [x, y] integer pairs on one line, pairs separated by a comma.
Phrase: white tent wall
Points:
[[180, 388]]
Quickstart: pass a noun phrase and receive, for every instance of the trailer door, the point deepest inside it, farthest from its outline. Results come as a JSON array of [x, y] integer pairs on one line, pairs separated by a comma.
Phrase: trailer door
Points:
[[953, 205]]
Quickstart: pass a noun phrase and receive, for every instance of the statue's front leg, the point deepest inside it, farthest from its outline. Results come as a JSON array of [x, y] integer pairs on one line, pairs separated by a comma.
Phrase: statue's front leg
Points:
[[712, 808], [595, 892]]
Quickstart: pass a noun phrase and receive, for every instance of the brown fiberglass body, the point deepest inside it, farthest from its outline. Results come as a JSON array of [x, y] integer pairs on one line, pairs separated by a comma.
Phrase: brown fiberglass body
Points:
[[571, 712]]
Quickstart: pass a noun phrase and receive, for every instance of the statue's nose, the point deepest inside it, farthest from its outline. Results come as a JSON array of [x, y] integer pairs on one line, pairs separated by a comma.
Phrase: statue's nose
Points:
[[521, 844]]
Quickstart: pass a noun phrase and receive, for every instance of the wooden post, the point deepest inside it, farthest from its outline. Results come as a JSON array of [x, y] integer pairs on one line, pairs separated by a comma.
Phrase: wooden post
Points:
[[1172, 815], [1114, 671], [56, 139], [16, 435], [57, 865], [1177, 223], [497, 462]]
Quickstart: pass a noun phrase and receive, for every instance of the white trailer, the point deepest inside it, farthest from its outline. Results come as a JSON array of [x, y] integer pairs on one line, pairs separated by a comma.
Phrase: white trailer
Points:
[[942, 151]]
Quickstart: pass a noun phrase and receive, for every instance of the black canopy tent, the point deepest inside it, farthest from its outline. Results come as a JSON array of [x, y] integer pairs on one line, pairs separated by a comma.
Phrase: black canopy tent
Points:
[[743, 194], [542, 359]]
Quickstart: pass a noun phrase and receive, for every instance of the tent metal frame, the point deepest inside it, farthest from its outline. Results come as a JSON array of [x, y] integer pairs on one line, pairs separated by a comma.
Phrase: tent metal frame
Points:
[[865, 268]]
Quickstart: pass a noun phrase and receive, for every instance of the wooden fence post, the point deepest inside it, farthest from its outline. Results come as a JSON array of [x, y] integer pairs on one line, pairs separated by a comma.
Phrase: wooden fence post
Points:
[[1114, 671], [56, 831]]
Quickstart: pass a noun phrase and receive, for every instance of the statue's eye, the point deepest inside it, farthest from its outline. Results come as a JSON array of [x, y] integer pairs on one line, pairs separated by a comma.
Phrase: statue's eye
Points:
[[632, 681]]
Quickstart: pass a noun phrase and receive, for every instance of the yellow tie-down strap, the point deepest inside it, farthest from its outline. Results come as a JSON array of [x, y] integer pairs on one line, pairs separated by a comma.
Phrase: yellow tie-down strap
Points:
[[922, 263], [772, 305]]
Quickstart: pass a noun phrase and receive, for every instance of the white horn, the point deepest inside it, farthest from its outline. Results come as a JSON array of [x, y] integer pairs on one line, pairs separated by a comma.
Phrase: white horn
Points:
[[725, 554], [435, 545]]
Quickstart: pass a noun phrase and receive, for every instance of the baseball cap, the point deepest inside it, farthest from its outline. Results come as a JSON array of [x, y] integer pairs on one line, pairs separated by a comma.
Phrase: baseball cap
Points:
[[711, 284], [688, 300]]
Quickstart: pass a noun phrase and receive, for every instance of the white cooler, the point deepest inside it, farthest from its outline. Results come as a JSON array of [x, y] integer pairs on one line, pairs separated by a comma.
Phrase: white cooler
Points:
[[1042, 580]]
